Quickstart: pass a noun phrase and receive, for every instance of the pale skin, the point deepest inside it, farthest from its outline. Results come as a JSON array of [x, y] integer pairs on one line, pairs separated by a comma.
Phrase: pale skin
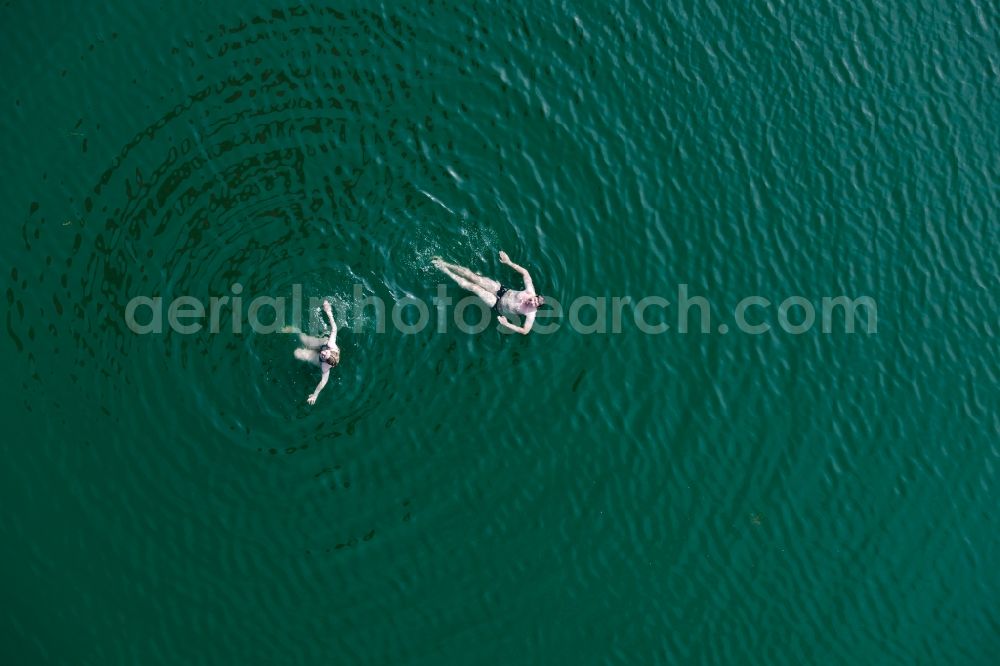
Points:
[[520, 302], [322, 352]]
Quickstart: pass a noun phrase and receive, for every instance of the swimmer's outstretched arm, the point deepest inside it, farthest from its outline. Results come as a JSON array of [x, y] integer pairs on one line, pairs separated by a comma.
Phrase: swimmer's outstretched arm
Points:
[[528, 285], [529, 320], [328, 309], [319, 387]]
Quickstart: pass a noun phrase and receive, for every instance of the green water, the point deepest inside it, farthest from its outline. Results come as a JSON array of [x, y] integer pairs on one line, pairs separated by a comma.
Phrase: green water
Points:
[[822, 498]]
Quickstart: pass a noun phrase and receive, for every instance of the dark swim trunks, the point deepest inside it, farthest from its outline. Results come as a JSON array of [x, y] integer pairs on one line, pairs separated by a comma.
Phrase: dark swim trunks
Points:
[[500, 292]]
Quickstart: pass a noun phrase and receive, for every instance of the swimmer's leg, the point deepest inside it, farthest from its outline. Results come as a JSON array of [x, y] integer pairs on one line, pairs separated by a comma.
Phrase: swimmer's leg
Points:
[[312, 342], [308, 340], [445, 268], [466, 284], [307, 355], [486, 283], [489, 297], [463, 276]]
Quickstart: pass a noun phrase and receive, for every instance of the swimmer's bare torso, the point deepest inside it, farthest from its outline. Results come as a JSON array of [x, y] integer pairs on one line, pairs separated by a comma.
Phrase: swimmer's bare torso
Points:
[[322, 352], [502, 300]]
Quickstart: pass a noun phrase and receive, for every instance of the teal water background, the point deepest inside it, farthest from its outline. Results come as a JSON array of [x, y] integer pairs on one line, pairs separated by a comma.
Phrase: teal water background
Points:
[[453, 498]]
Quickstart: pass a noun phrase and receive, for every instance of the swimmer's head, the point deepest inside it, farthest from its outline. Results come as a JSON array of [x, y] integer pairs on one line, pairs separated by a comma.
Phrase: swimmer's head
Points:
[[329, 356], [536, 301]]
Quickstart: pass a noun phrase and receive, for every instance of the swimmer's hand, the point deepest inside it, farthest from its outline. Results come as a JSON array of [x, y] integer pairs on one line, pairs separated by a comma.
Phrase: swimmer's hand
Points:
[[528, 285], [327, 308], [311, 399], [523, 330]]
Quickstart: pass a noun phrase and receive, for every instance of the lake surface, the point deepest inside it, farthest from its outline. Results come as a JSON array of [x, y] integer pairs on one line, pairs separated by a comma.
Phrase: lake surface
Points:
[[802, 495]]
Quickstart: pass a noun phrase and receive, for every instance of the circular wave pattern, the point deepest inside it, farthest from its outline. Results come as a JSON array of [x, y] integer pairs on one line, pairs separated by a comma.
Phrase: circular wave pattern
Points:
[[630, 483], [322, 173], [265, 178]]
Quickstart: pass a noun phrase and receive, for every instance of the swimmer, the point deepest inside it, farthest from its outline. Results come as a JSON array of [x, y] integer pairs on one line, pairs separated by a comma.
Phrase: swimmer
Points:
[[319, 351], [501, 299]]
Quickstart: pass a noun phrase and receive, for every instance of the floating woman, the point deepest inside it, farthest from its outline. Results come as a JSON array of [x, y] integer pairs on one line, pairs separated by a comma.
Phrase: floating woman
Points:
[[319, 351], [501, 299]]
